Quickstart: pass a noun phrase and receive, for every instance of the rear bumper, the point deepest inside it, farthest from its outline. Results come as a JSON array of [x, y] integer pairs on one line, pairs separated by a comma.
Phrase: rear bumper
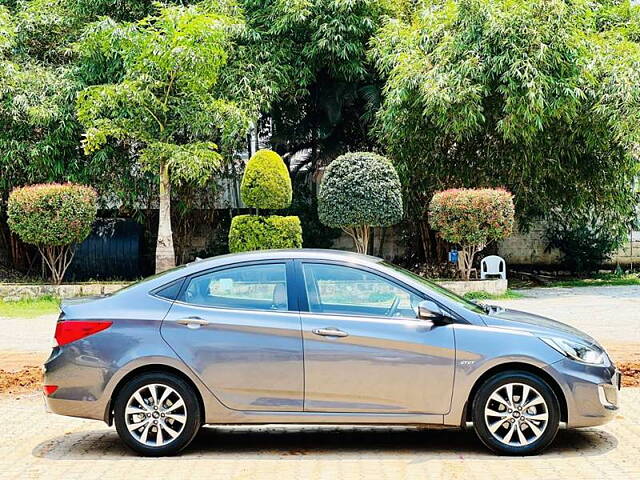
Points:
[[80, 384], [591, 391]]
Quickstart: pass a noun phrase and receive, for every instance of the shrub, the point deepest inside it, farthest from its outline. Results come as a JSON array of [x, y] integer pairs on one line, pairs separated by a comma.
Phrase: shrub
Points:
[[255, 232], [585, 241], [53, 217], [266, 182], [358, 191], [471, 218]]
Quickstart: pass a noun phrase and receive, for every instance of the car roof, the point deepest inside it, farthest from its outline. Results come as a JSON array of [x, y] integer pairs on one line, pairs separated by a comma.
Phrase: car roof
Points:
[[297, 253]]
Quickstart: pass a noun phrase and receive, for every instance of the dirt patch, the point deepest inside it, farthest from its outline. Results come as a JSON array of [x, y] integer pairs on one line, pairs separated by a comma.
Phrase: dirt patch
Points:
[[12, 361], [26, 380], [630, 373]]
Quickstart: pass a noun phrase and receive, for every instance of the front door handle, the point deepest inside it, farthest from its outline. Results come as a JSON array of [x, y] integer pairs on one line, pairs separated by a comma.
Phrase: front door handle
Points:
[[330, 332], [192, 322]]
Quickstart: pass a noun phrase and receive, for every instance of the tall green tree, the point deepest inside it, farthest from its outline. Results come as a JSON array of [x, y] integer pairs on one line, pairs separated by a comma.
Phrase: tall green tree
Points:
[[305, 64], [165, 101], [539, 96]]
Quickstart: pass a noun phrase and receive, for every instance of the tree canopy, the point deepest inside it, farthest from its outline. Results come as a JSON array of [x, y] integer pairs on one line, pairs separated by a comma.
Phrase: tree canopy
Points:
[[539, 96]]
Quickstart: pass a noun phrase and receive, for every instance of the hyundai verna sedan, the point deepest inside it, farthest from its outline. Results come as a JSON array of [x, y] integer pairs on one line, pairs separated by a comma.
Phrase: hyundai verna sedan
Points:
[[319, 337]]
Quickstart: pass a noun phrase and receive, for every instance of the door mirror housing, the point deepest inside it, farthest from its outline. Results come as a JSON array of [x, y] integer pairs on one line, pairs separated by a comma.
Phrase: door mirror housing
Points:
[[428, 310]]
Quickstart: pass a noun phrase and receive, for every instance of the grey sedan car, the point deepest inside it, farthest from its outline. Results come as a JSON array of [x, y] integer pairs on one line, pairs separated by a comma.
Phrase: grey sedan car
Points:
[[319, 337]]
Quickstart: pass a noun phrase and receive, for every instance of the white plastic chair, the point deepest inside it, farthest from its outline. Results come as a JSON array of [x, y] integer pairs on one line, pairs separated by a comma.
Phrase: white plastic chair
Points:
[[493, 265]]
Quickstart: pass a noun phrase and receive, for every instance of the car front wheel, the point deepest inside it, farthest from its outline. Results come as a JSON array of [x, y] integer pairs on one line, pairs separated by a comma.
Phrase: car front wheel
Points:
[[516, 413], [157, 414]]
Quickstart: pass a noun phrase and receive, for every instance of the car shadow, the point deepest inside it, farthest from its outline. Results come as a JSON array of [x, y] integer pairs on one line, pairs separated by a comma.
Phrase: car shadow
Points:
[[346, 442]]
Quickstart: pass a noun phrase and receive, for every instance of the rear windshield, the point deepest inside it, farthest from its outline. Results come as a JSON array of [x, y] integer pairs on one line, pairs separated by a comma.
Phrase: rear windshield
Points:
[[148, 279]]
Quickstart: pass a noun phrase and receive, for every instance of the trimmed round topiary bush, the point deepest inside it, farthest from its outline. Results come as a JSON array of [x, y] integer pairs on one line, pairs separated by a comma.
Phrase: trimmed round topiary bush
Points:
[[255, 232], [53, 217], [358, 191], [266, 182], [472, 218]]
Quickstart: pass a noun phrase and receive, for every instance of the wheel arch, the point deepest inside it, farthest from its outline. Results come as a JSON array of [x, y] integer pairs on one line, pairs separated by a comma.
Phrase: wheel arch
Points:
[[156, 368], [522, 367]]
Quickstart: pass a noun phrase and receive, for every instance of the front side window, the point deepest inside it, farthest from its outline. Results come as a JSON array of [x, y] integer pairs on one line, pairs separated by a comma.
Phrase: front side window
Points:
[[350, 291], [261, 287]]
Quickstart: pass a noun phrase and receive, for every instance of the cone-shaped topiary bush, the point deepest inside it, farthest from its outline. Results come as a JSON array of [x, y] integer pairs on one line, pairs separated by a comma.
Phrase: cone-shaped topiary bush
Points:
[[360, 190], [54, 217], [266, 182]]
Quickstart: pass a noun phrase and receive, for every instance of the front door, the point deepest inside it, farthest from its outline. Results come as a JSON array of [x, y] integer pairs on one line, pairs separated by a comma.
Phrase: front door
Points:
[[365, 351], [237, 329]]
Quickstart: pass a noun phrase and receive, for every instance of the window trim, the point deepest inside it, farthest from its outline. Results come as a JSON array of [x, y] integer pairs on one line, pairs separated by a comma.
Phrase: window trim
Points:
[[292, 299], [303, 301]]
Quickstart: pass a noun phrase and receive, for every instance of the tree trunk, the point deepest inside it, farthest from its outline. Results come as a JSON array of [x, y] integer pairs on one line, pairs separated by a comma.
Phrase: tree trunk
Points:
[[165, 254], [57, 259], [360, 236], [465, 259]]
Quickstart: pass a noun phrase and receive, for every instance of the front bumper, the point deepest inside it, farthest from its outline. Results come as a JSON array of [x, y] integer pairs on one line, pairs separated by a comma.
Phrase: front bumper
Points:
[[591, 391]]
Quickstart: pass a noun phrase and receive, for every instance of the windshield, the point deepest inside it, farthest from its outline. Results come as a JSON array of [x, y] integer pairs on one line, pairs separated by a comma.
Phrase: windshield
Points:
[[474, 307]]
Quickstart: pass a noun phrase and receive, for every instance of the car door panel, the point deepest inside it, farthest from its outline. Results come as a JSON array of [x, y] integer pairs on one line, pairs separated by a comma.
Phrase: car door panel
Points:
[[380, 360], [381, 366], [249, 359]]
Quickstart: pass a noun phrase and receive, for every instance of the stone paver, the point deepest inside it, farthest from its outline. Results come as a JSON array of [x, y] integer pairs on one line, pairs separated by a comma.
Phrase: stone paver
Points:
[[40, 445]]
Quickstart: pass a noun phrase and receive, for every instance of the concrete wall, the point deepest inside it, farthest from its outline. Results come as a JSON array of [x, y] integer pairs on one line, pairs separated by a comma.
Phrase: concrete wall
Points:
[[17, 291], [493, 286], [529, 248]]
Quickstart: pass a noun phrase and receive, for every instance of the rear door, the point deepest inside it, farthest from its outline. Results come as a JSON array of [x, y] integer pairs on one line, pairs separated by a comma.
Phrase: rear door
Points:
[[238, 328], [365, 350]]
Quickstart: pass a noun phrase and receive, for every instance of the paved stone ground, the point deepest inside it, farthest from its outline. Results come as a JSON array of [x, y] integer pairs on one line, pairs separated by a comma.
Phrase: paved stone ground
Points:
[[39, 445]]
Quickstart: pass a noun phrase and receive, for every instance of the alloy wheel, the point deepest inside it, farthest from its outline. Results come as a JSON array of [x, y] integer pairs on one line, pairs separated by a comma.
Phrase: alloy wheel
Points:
[[516, 414], [155, 415]]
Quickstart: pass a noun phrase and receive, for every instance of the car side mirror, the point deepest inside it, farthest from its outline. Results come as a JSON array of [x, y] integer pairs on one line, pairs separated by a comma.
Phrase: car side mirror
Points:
[[428, 310]]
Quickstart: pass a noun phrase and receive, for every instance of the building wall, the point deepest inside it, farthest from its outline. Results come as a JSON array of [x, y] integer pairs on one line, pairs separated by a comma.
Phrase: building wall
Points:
[[529, 248]]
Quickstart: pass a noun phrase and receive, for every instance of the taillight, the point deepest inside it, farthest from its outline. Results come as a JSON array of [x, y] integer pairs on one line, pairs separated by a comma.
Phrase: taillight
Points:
[[49, 389], [69, 331]]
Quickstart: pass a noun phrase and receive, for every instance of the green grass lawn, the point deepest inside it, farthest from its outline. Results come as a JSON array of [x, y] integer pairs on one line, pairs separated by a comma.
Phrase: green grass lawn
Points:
[[508, 295], [600, 280], [30, 307]]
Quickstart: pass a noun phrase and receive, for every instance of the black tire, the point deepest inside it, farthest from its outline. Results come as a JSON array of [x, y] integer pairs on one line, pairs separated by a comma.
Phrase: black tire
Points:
[[191, 408], [518, 377]]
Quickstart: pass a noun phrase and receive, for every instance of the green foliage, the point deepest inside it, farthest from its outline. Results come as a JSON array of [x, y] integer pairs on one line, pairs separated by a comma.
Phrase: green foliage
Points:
[[52, 214], [360, 188], [164, 100], [585, 241], [305, 206], [508, 295], [304, 64], [266, 182], [472, 216], [254, 232], [538, 96]]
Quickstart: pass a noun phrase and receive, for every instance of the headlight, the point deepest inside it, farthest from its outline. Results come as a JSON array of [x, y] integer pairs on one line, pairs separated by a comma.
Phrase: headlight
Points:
[[576, 350]]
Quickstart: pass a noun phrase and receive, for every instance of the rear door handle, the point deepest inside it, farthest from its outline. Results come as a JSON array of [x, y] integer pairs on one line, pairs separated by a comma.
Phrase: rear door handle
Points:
[[192, 322], [330, 332]]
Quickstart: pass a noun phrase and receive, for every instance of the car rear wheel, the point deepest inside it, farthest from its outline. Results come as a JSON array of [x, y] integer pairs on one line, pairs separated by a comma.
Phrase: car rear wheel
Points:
[[157, 414], [516, 413]]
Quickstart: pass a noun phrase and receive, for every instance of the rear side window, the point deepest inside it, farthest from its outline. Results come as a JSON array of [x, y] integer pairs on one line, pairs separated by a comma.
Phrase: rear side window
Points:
[[171, 291], [256, 287]]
